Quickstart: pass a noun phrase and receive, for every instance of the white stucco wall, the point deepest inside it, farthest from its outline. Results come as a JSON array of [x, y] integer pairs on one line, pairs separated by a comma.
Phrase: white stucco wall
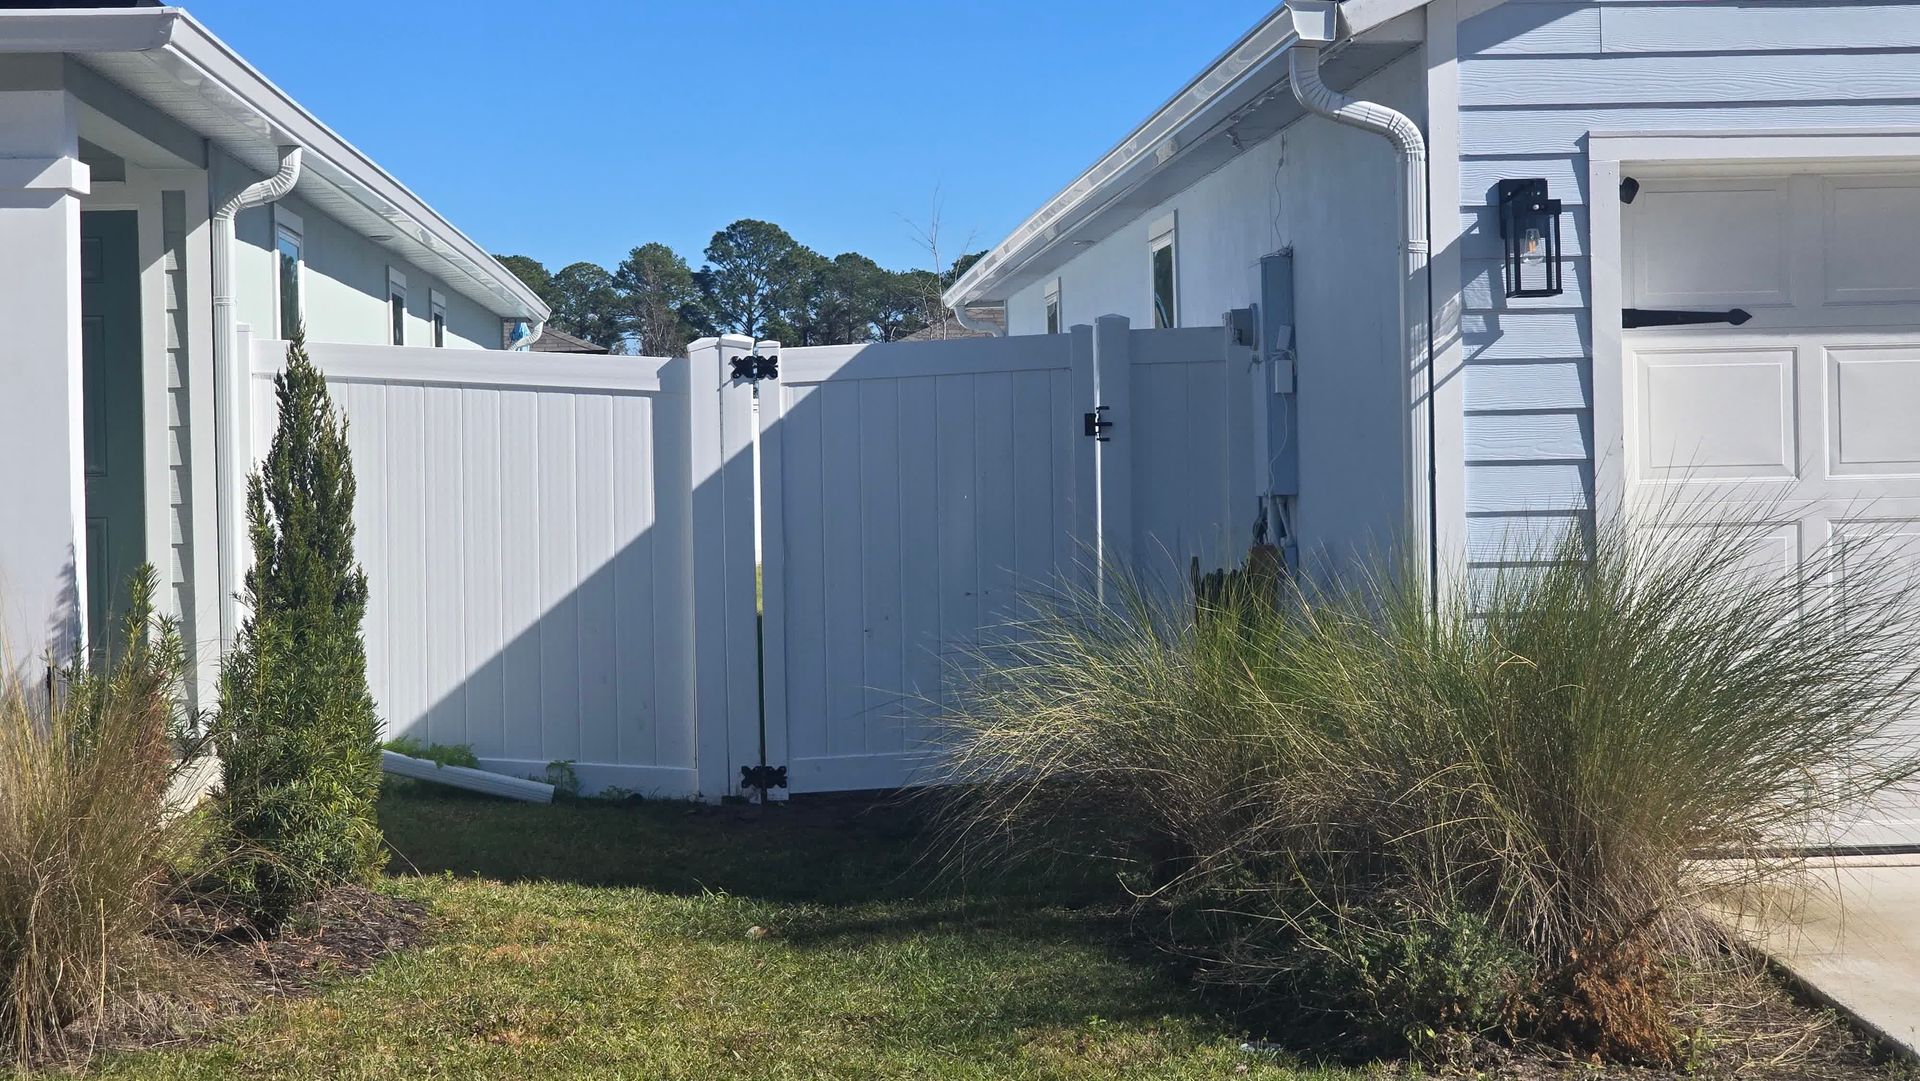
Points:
[[346, 280], [1328, 192]]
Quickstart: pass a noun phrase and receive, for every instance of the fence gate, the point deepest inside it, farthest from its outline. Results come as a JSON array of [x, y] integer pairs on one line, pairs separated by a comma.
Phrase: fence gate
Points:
[[905, 500]]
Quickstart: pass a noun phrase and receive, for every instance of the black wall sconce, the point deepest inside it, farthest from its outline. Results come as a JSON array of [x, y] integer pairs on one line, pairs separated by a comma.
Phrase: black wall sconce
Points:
[[1530, 230]]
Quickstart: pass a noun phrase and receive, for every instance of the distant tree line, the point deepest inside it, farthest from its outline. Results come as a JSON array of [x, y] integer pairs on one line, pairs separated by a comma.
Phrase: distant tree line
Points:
[[755, 280]]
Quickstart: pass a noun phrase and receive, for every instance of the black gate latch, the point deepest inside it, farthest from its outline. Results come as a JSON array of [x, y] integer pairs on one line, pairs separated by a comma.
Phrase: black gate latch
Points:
[[1635, 318], [752, 369], [1097, 427], [763, 778]]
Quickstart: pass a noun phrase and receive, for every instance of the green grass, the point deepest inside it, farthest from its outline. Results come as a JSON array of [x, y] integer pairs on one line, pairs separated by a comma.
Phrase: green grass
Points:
[[618, 941]]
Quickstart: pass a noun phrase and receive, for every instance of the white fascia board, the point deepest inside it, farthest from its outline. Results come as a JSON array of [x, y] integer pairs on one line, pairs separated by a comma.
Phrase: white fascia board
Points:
[[1260, 53], [120, 30], [188, 51]]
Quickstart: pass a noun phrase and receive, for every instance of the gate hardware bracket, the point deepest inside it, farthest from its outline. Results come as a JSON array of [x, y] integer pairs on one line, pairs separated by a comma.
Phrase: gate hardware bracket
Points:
[[752, 369], [1635, 318], [1097, 428], [763, 777]]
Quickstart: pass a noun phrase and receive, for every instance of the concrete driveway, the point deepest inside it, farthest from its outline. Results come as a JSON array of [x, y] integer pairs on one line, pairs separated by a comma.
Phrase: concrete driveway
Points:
[[1851, 931]]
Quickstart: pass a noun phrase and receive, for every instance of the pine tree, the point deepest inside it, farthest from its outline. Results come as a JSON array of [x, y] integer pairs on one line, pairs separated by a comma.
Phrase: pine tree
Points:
[[297, 732]]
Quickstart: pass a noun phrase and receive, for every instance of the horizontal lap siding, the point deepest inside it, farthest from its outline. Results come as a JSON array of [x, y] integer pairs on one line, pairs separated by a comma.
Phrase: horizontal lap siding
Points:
[[1537, 76]]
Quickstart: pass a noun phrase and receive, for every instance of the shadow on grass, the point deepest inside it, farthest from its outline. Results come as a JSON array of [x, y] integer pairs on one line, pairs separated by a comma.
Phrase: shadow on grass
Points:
[[829, 850]]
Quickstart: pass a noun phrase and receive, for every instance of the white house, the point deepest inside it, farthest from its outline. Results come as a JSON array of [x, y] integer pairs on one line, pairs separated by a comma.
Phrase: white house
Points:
[[1706, 156], [156, 193]]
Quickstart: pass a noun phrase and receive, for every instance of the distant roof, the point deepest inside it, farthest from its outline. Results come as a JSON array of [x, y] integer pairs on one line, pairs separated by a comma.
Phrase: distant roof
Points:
[[555, 340], [950, 327]]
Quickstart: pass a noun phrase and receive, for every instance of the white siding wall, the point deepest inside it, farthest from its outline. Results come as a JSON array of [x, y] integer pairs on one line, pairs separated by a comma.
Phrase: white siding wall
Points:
[[346, 281], [1536, 77], [1328, 192]]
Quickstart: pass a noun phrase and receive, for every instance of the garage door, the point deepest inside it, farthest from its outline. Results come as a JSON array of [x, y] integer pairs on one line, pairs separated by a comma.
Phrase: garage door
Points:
[[1813, 398]]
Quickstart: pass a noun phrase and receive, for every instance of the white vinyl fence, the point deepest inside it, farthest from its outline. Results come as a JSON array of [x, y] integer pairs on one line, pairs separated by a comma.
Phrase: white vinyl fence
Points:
[[525, 527], [563, 550]]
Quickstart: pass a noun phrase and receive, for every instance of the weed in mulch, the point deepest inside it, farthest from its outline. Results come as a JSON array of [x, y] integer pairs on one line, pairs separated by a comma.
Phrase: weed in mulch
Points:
[[233, 969]]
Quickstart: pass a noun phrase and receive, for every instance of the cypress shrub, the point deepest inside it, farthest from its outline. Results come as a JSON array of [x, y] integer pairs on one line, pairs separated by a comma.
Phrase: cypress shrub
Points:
[[297, 731]]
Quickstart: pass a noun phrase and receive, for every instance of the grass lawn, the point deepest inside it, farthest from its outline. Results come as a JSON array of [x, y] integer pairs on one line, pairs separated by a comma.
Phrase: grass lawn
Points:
[[668, 941]]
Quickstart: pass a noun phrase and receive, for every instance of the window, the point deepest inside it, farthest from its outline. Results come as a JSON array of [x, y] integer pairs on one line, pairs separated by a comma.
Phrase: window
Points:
[[439, 318], [397, 304], [1162, 261], [289, 243], [1053, 307]]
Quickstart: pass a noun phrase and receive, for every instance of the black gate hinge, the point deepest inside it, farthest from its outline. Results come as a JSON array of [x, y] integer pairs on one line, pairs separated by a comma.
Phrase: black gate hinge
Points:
[[763, 778], [752, 369], [1096, 426]]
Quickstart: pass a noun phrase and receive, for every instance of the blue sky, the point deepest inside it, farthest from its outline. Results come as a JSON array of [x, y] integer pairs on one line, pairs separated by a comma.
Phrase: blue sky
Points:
[[576, 129]]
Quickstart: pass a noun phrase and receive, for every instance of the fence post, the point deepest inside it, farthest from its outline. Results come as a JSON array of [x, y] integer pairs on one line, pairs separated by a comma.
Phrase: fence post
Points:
[[1085, 492], [1113, 459], [725, 631]]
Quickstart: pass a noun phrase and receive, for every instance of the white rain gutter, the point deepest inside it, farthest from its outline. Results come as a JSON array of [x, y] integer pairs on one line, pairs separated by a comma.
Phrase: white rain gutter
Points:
[[1317, 21], [231, 376]]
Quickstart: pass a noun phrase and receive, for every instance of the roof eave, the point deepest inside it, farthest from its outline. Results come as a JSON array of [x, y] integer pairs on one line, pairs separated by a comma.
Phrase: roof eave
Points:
[[1196, 109], [175, 36]]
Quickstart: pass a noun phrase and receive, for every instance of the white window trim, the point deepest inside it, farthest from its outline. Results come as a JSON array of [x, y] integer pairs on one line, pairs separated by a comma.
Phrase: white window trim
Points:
[[396, 286], [1051, 299], [437, 319], [1164, 234], [291, 225]]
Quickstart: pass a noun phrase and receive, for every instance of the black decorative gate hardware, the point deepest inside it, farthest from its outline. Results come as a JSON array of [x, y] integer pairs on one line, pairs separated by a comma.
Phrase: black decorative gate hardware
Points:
[[1096, 425], [1635, 318], [763, 778], [752, 369]]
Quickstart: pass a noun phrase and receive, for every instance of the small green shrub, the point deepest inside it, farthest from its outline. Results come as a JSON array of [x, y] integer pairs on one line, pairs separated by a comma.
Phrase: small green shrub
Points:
[[1541, 759], [561, 776], [84, 837], [297, 731], [444, 754], [1403, 979]]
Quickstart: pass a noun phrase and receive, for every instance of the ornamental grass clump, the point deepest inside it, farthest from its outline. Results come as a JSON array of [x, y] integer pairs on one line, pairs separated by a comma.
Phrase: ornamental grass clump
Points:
[[297, 733], [1308, 781], [84, 835]]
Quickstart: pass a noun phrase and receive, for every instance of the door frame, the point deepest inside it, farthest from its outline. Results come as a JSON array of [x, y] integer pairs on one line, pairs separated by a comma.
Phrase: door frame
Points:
[[142, 192], [1609, 155]]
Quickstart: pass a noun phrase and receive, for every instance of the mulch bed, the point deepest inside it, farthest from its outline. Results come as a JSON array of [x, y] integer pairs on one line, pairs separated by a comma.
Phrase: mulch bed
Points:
[[230, 969]]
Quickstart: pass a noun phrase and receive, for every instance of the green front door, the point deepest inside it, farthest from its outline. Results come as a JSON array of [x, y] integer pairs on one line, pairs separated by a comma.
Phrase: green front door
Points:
[[110, 344]]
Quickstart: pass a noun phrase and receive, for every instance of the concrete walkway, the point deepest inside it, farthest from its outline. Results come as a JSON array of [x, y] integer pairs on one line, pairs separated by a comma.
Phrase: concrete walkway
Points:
[[1852, 933]]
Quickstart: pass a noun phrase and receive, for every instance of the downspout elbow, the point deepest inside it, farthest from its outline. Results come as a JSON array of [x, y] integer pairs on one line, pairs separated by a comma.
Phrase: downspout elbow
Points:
[[1303, 74], [978, 326]]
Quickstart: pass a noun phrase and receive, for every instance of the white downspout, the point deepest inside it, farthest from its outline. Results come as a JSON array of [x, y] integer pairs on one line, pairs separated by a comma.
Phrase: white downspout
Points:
[[1303, 68], [991, 330], [230, 383]]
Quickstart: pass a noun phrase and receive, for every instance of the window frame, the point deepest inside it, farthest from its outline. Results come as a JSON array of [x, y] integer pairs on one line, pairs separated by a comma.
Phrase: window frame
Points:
[[396, 317], [289, 226], [1055, 319], [1164, 236], [438, 321]]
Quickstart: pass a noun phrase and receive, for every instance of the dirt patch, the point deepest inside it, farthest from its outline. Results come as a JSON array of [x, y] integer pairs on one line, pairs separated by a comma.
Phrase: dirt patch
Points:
[[218, 968]]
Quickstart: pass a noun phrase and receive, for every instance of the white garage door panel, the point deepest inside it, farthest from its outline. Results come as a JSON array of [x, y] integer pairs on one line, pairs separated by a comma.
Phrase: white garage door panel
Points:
[[1716, 413], [1810, 413], [1708, 244], [1873, 426], [1872, 239]]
